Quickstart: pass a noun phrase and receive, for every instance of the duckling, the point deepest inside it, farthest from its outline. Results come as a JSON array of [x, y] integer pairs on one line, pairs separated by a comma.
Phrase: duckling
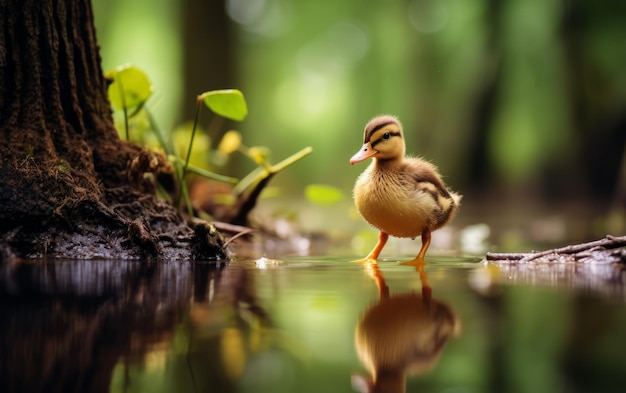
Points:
[[401, 196]]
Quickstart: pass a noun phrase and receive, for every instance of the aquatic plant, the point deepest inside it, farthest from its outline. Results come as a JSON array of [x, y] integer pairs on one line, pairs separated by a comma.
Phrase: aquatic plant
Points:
[[129, 91]]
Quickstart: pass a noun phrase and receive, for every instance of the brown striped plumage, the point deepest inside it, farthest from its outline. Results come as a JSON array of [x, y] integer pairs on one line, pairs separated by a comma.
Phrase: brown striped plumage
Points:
[[402, 197]]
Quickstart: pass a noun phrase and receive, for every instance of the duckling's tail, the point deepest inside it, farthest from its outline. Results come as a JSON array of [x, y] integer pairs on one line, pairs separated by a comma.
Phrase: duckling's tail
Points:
[[456, 197]]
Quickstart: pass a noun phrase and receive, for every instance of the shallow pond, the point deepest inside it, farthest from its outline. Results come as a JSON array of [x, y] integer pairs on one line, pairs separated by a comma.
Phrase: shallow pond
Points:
[[310, 324]]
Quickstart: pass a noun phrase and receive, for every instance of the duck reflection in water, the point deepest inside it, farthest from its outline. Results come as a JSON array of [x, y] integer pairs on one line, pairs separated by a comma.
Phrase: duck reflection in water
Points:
[[402, 333]]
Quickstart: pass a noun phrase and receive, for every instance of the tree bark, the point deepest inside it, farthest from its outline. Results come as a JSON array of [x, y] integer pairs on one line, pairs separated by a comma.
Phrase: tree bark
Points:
[[66, 186]]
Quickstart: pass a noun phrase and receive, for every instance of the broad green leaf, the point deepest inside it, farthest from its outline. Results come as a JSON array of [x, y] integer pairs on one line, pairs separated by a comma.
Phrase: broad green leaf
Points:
[[323, 194], [130, 88], [226, 103]]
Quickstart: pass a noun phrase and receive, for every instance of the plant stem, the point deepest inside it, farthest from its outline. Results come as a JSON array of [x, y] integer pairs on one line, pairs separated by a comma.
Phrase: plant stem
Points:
[[256, 182], [125, 110], [187, 200], [212, 175], [182, 190], [193, 133], [266, 170], [292, 159], [157, 131]]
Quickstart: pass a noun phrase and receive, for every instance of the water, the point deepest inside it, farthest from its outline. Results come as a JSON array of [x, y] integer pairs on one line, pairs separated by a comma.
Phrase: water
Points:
[[290, 325]]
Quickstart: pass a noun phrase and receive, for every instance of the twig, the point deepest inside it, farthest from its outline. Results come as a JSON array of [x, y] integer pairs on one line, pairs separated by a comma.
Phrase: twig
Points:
[[240, 234], [596, 251], [232, 228], [238, 230]]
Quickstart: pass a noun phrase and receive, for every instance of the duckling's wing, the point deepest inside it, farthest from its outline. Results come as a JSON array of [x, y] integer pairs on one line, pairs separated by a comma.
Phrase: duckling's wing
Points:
[[426, 177]]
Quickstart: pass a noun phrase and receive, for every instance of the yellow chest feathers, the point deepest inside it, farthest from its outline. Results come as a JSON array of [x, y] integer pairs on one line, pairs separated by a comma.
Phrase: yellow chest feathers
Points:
[[400, 205]]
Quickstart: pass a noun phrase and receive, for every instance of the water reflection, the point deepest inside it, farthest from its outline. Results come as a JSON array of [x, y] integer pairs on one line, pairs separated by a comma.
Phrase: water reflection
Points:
[[402, 333], [228, 327], [604, 280], [67, 326], [272, 326]]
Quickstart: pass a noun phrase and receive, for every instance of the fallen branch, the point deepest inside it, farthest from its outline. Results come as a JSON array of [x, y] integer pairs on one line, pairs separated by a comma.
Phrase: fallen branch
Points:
[[611, 249]]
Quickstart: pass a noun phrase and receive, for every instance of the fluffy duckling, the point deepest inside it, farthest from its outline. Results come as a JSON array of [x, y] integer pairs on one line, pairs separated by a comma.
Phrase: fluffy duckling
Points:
[[401, 196]]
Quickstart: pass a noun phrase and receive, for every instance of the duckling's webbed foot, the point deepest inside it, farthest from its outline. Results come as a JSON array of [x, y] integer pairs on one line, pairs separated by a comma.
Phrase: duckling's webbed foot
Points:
[[419, 260], [373, 255]]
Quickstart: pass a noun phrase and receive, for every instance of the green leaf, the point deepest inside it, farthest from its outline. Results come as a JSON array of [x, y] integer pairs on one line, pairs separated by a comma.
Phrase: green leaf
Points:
[[226, 103], [130, 88], [323, 194], [212, 175]]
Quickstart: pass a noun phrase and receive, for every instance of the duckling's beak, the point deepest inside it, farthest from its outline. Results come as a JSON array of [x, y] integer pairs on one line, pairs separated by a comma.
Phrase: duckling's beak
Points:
[[364, 153]]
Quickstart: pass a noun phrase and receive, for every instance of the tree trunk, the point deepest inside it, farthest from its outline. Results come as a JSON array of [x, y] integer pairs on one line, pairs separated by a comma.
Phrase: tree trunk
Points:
[[208, 61], [66, 180]]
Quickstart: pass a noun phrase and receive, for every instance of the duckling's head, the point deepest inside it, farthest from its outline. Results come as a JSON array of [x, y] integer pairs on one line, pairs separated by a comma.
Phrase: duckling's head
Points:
[[382, 140]]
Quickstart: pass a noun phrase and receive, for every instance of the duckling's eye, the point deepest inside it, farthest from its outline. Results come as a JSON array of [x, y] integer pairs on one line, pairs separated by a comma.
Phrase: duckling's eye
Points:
[[386, 135]]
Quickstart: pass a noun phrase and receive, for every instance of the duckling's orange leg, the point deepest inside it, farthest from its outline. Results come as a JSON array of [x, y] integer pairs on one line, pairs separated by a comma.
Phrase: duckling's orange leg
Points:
[[419, 259], [373, 255], [425, 244]]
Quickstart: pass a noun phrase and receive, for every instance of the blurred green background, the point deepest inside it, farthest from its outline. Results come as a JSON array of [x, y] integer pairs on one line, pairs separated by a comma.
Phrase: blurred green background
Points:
[[521, 100]]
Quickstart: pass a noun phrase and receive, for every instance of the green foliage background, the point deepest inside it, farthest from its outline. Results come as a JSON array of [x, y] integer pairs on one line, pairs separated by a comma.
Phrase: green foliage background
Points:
[[498, 94]]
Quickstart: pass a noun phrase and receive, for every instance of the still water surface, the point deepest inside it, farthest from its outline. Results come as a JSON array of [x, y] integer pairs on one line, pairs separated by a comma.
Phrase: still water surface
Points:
[[311, 324]]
